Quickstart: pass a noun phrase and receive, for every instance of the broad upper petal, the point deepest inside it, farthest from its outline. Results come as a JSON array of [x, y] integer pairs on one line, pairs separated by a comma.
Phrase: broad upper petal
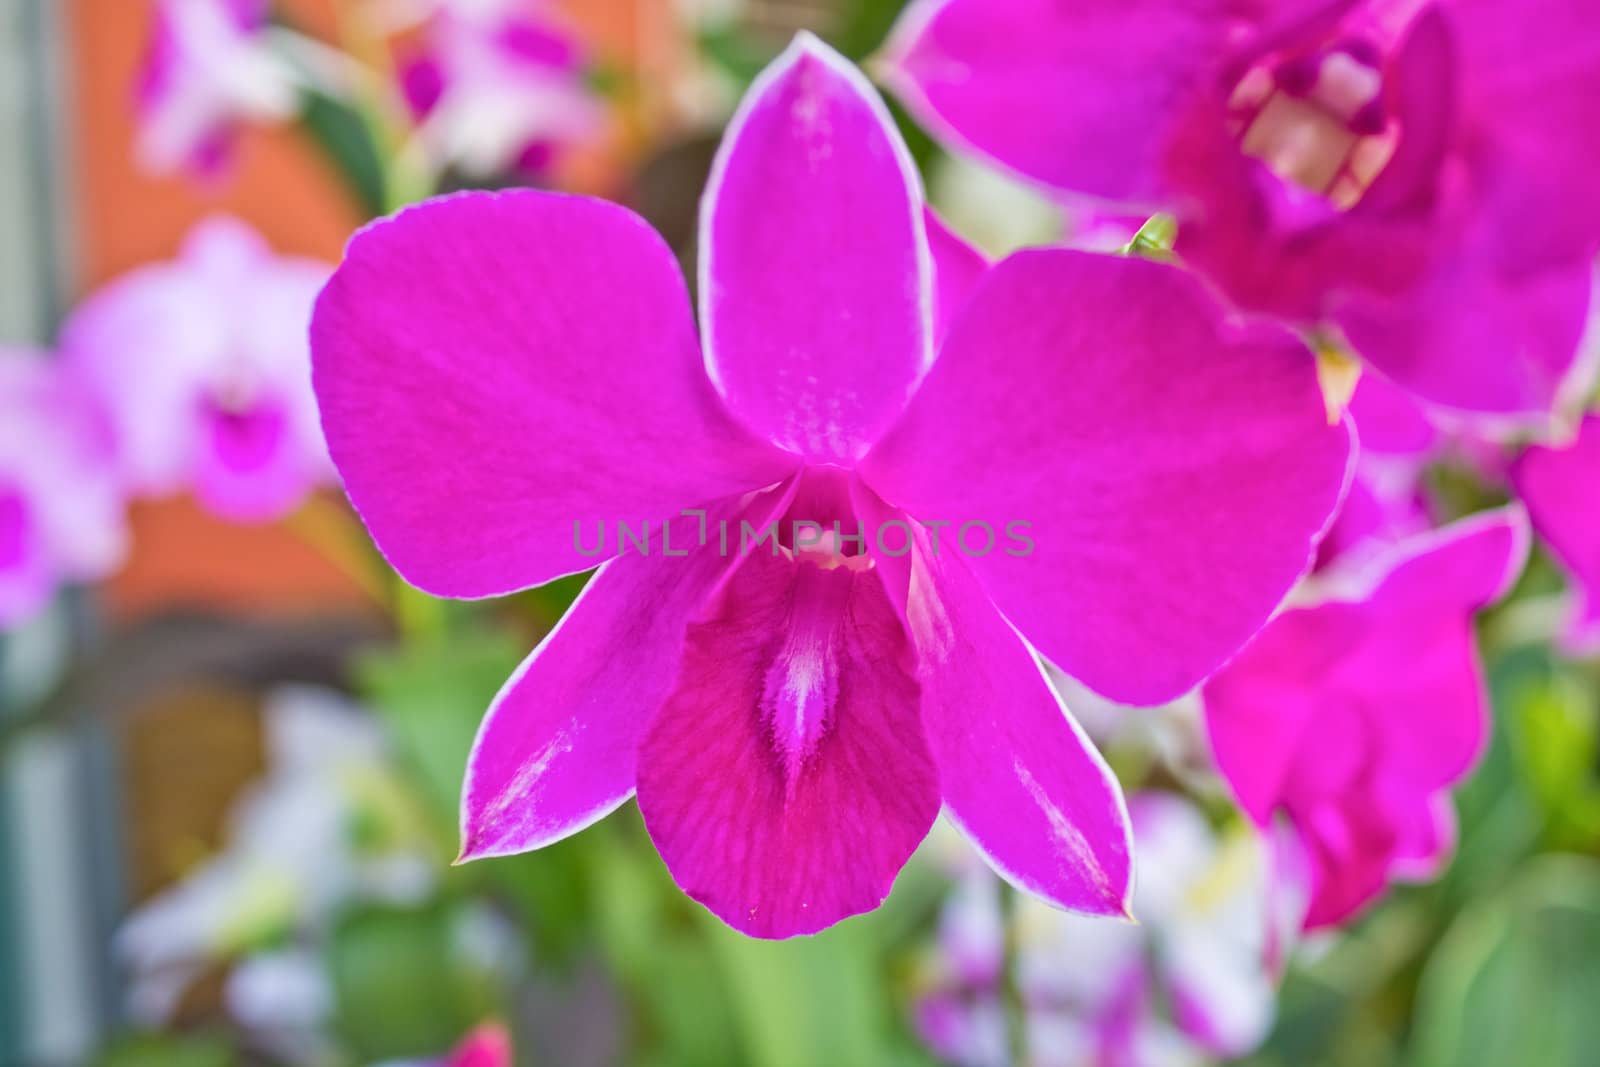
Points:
[[1079, 96], [786, 780], [1530, 73], [1172, 469], [494, 368], [815, 276]]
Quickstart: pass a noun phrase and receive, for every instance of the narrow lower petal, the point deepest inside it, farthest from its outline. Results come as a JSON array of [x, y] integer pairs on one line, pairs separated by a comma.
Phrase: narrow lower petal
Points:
[[815, 279], [1018, 775], [494, 369], [1134, 477], [786, 780], [558, 748]]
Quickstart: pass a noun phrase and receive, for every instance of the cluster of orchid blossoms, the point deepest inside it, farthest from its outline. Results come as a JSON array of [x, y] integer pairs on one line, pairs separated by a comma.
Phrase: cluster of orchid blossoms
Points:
[[1386, 234], [191, 375], [1403, 184], [485, 88]]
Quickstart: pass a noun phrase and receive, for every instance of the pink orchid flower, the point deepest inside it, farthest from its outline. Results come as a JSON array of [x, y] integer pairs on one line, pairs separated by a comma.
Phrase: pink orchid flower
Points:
[[1386, 503], [487, 1046], [499, 89], [1561, 487], [61, 517], [203, 365], [1415, 173], [1355, 716], [495, 370], [208, 72]]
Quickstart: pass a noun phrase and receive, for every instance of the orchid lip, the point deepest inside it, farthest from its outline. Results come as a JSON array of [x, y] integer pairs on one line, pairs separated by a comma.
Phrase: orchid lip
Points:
[[1317, 121]]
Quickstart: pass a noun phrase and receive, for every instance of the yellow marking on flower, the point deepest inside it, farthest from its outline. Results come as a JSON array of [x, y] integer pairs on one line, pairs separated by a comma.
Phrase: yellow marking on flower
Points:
[[1230, 873], [1338, 372]]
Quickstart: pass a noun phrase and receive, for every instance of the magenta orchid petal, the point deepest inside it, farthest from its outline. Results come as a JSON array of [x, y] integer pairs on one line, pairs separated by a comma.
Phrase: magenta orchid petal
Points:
[[1389, 420], [957, 268], [1427, 842], [1304, 720], [1475, 338], [1558, 487], [815, 278], [786, 780], [1077, 96], [1173, 471], [485, 390], [1530, 74], [558, 749], [1018, 775]]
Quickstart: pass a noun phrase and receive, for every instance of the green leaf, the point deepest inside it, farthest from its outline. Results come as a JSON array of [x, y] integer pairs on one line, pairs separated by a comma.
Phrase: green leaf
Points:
[[346, 140], [1517, 979], [432, 693], [400, 988], [807, 1001], [157, 1050]]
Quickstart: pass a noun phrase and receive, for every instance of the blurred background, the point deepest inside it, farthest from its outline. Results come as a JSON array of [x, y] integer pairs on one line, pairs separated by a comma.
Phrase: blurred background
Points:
[[231, 748]]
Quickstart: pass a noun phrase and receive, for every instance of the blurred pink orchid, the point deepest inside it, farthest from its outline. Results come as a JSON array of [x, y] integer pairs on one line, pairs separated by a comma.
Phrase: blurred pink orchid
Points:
[[1354, 717], [487, 1046], [1561, 487], [493, 369], [203, 366], [207, 72], [61, 517], [1415, 173], [499, 87]]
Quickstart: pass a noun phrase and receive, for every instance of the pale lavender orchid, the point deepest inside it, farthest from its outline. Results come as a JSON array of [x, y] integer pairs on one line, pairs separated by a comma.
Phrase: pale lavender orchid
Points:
[[496, 369], [1194, 982], [1561, 487], [61, 504], [208, 72], [1416, 173], [499, 87], [203, 366], [292, 861], [1353, 717]]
